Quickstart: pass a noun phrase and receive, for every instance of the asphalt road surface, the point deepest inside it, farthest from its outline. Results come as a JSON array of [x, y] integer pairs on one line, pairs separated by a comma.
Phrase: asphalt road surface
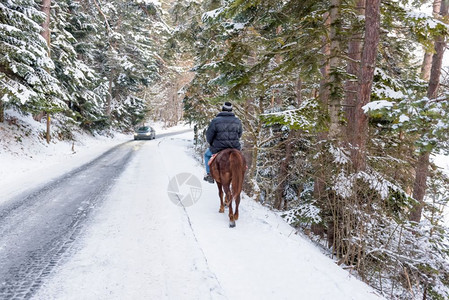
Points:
[[39, 226]]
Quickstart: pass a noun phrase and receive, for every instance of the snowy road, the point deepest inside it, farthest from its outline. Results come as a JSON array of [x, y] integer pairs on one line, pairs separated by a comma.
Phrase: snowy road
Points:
[[37, 228], [137, 244]]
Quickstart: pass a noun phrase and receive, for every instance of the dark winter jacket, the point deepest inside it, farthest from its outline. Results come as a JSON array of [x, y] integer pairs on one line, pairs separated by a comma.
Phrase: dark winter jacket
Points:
[[224, 132]]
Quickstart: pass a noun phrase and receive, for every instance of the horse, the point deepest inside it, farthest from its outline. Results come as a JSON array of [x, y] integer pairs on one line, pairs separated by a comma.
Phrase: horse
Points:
[[228, 169]]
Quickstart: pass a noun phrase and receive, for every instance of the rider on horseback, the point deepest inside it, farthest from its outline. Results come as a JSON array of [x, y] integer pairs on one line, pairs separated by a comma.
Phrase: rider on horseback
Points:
[[224, 132]]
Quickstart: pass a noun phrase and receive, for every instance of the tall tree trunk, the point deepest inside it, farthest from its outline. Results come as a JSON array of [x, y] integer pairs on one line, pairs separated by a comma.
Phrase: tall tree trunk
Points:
[[335, 87], [355, 55], [427, 61], [326, 51], [422, 167], [319, 182], [335, 81], [46, 5], [318, 188], [372, 25]]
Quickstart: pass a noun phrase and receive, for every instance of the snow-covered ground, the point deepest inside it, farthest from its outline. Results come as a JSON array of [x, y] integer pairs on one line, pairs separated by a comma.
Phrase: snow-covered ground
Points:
[[140, 245]]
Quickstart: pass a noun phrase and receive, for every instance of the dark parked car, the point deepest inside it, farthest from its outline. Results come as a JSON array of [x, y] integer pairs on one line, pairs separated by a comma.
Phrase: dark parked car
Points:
[[144, 133]]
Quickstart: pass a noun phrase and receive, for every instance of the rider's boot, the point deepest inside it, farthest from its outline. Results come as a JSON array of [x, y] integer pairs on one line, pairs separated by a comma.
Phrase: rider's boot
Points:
[[208, 178]]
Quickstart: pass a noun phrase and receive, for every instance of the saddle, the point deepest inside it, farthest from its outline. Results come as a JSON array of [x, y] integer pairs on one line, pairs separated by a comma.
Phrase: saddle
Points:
[[212, 158]]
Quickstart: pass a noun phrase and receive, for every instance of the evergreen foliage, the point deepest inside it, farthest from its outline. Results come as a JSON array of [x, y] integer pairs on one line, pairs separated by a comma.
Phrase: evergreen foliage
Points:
[[102, 56], [78, 80], [269, 58], [25, 80]]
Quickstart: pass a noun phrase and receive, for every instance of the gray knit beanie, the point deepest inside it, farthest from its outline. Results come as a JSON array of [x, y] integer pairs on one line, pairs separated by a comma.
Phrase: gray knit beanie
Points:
[[227, 106]]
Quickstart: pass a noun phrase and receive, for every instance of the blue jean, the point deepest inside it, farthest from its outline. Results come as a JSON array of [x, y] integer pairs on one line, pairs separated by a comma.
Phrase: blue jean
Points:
[[207, 156]]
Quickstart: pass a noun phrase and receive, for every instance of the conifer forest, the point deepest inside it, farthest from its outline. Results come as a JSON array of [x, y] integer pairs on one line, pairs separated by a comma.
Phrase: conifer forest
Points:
[[344, 104]]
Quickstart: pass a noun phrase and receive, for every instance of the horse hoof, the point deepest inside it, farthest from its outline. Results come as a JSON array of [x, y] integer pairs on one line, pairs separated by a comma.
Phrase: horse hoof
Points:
[[231, 224], [221, 210]]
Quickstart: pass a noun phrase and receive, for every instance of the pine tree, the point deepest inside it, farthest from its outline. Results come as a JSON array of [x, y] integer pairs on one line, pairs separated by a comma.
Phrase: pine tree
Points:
[[70, 26], [128, 53], [422, 167], [25, 80]]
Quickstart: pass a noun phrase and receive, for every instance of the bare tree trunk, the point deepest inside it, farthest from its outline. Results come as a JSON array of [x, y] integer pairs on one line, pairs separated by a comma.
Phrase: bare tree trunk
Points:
[[422, 167], [427, 61], [335, 81], [372, 25], [47, 135], [319, 184], [326, 50], [46, 5], [331, 91], [355, 55]]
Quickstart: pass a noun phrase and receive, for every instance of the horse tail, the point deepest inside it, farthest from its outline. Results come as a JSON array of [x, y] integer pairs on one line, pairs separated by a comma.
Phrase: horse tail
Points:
[[237, 166]]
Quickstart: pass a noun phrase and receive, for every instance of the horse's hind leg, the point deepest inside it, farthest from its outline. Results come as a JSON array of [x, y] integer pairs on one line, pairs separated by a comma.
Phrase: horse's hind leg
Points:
[[237, 203], [228, 193], [220, 193], [231, 216]]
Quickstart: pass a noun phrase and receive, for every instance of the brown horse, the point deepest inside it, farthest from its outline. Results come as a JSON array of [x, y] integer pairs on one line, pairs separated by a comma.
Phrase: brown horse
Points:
[[228, 169]]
